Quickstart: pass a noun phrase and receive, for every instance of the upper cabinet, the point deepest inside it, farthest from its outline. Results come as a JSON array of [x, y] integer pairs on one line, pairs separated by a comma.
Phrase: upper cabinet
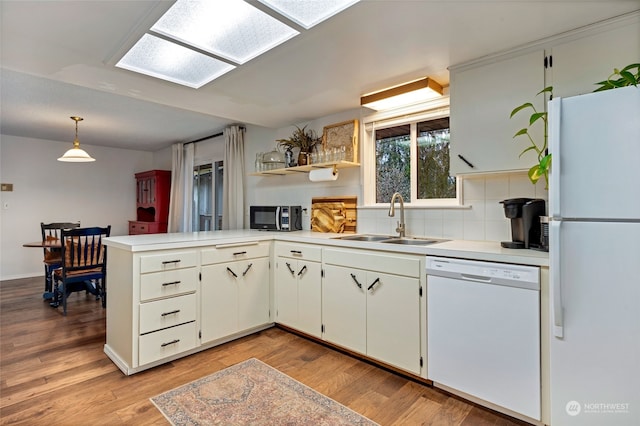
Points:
[[483, 93], [481, 100], [578, 64]]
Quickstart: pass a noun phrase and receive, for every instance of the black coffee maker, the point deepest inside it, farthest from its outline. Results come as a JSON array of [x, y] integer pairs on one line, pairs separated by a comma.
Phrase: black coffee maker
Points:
[[525, 222]]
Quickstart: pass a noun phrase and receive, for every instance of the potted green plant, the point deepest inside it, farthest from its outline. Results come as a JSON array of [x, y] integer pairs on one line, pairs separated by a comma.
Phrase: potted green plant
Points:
[[543, 164], [626, 77], [302, 139]]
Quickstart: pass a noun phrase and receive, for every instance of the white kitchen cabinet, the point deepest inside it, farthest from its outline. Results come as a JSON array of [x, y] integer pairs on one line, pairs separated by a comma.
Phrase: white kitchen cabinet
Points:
[[298, 287], [579, 63], [481, 100], [234, 293], [372, 312], [483, 93], [152, 311]]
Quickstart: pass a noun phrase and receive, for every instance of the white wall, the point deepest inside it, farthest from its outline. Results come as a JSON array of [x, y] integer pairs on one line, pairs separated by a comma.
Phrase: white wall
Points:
[[45, 190]]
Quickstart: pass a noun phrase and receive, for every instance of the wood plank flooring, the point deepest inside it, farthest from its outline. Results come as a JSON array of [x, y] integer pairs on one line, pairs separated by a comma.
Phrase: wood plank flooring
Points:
[[53, 371]]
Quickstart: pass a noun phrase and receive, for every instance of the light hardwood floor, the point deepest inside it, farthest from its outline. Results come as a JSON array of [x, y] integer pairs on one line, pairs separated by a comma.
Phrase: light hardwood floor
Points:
[[54, 372]]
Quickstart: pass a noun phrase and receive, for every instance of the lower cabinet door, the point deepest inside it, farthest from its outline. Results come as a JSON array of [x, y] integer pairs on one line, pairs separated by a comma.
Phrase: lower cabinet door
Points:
[[253, 293], [393, 320], [344, 309], [164, 343]]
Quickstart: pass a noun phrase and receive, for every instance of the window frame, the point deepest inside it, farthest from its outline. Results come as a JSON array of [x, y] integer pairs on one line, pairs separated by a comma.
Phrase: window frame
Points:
[[409, 115]]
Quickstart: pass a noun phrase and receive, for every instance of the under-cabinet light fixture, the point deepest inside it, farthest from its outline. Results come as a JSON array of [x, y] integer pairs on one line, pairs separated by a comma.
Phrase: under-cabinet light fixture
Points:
[[409, 93], [75, 154]]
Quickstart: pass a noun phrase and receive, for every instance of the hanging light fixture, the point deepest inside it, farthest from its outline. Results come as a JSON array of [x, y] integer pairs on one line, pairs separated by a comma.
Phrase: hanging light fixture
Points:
[[405, 94], [75, 154]]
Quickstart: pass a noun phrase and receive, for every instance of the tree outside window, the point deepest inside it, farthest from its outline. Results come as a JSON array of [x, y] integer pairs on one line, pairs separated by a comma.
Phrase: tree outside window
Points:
[[429, 140]]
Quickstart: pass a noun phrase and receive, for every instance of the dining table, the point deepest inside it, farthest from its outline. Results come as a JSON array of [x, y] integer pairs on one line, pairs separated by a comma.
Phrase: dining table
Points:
[[55, 245]]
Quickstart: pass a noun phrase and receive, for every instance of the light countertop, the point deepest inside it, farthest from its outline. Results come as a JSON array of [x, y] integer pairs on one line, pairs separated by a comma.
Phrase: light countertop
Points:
[[490, 251]]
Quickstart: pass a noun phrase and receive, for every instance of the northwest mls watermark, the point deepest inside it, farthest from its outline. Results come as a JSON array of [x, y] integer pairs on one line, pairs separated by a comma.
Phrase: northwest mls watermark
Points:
[[575, 408]]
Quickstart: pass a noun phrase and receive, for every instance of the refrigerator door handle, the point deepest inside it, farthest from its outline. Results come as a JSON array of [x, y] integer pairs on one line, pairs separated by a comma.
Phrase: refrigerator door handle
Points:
[[556, 287], [555, 113]]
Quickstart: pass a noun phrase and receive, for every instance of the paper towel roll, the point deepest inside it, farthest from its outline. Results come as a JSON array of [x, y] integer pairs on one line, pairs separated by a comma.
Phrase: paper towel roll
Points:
[[322, 175]]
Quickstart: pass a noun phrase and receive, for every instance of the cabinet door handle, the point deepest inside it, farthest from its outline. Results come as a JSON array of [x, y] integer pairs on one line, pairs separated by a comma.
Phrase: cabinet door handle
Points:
[[247, 270], [373, 283], [293, 273], [231, 272], [173, 342], [304, 268], [164, 314], [356, 281], [466, 161], [171, 283], [166, 262], [296, 252], [239, 253]]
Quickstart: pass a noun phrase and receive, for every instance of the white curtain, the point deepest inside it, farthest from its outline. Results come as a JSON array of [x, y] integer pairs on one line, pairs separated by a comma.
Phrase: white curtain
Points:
[[233, 179], [181, 201]]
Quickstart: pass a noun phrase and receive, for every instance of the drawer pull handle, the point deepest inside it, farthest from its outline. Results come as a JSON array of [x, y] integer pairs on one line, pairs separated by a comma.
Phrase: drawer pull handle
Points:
[[231, 272], [304, 268], [296, 252], [290, 269], [173, 342], [373, 283], [356, 281], [166, 262], [164, 314], [239, 253], [247, 270], [171, 283]]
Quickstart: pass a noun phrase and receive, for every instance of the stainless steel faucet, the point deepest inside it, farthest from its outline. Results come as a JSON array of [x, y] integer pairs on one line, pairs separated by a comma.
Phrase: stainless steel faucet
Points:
[[392, 211]]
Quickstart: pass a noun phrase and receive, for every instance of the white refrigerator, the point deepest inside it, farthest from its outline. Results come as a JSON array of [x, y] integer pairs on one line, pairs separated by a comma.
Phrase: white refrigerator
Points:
[[594, 253]]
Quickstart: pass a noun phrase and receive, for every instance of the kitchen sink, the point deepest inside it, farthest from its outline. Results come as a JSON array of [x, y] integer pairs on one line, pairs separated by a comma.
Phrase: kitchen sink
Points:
[[389, 239], [365, 237], [413, 241]]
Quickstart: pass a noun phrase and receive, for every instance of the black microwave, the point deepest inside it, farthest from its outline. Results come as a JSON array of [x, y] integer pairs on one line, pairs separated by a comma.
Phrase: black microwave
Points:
[[275, 218]]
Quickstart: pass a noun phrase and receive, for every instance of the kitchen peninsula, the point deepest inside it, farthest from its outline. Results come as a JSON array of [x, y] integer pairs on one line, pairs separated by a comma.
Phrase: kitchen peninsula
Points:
[[172, 295]]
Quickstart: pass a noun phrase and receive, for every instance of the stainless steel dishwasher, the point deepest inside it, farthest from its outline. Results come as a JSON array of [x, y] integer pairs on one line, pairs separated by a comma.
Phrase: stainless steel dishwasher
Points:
[[483, 331]]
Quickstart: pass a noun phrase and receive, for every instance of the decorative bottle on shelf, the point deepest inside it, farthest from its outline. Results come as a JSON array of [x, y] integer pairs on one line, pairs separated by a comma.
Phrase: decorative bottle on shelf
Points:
[[302, 159], [288, 158]]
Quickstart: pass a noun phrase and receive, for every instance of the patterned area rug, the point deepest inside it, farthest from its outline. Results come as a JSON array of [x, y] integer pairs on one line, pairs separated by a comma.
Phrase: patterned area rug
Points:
[[252, 393]]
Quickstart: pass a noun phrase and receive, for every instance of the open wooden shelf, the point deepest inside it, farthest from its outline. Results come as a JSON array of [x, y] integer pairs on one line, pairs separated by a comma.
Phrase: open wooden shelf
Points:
[[306, 169]]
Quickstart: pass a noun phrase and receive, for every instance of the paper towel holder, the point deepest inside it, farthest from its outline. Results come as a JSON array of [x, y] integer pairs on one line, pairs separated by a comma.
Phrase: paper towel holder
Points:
[[324, 171]]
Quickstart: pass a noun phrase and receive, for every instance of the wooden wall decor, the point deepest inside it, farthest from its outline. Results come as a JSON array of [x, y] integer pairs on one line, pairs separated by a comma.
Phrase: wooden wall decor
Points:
[[334, 214], [342, 134]]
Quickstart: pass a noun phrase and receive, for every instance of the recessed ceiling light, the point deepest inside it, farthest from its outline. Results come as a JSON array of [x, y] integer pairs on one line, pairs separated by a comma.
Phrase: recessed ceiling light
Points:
[[308, 13], [160, 58], [230, 29]]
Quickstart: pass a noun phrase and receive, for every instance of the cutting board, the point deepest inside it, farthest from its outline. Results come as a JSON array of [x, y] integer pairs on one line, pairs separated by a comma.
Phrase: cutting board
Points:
[[334, 214]]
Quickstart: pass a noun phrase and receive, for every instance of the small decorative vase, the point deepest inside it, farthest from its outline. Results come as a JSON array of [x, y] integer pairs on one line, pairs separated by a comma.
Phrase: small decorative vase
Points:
[[288, 158], [302, 159]]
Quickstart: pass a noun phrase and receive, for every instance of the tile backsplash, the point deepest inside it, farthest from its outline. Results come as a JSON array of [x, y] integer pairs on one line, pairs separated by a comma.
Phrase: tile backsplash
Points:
[[480, 218]]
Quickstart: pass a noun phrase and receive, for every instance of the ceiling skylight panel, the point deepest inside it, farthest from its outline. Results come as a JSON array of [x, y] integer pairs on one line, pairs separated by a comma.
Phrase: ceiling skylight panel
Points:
[[162, 59], [308, 13], [230, 29]]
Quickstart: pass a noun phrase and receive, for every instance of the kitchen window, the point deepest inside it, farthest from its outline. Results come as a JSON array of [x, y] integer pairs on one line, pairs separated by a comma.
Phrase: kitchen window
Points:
[[409, 154]]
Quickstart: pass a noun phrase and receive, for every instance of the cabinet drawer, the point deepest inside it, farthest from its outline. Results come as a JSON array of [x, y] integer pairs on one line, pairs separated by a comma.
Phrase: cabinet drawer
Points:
[[168, 283], [164, 343], [230, 252], [299, 251], [390, 263], [138, 228], [167, 313], [167, 260]]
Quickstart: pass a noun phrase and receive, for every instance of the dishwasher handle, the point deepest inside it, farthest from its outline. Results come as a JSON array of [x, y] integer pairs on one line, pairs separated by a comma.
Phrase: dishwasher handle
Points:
[[476, 278]]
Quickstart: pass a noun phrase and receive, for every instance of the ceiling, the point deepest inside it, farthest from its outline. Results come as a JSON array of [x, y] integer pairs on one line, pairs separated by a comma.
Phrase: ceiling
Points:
[[58, 60]]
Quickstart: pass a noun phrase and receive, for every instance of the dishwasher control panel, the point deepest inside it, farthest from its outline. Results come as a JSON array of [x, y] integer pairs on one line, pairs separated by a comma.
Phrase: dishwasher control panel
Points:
[[485, 272]]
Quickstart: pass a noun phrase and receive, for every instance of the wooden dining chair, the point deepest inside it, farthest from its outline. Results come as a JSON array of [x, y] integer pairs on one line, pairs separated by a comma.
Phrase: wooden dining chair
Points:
[[84, 264], [52, 257]]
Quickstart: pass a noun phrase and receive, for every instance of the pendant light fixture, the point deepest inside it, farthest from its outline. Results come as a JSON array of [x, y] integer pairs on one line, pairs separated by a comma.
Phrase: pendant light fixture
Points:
[[75, 154]]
